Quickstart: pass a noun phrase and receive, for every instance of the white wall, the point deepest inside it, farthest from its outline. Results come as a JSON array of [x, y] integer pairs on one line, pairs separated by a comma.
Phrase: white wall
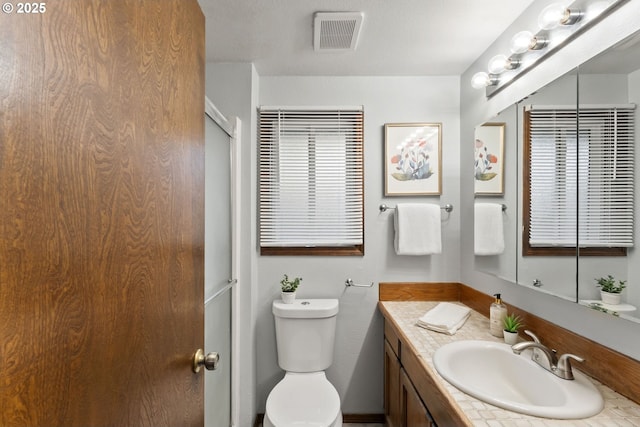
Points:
[[357, 371], [475, 109]]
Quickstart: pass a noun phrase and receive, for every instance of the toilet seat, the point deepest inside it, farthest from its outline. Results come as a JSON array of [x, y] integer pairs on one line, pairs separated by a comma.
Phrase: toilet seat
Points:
[[303, 400]]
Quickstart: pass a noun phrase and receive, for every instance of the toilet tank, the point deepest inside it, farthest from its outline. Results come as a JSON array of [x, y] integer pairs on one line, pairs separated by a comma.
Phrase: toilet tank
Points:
[[305, 334]]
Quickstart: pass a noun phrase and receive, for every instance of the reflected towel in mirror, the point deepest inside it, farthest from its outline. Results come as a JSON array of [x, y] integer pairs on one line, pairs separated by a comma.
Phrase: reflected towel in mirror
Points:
[[488, 236]]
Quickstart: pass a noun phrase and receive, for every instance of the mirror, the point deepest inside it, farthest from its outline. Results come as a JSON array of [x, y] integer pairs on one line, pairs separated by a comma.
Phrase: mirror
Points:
[[609, 79], [545, 262], [495, 172], [611, 82]]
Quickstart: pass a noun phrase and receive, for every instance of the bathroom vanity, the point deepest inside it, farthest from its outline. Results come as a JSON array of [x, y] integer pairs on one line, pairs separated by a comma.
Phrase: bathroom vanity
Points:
[[416, 395], [407, 404]]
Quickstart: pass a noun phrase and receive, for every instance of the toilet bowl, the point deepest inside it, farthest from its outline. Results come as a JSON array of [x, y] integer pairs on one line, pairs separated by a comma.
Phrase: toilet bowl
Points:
[[305, 335], [303, 400]]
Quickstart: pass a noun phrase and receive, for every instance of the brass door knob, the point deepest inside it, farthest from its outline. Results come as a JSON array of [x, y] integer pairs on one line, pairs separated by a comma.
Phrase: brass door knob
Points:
[[210, 361]]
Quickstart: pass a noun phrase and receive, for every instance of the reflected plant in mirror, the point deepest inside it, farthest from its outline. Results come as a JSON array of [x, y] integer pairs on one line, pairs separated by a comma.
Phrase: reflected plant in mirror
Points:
[[610, 290]]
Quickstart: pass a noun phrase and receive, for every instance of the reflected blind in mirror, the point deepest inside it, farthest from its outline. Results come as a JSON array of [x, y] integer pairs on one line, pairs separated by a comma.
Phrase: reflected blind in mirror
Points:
[[311, 177], [581, 176]]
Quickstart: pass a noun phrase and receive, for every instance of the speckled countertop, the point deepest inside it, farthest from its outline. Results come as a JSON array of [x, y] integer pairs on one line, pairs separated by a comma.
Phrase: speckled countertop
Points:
[[618, 410]]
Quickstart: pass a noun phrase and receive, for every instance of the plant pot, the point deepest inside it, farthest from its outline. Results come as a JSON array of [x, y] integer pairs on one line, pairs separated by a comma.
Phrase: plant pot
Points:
[[288, 297], [510, 337], [610, 298]]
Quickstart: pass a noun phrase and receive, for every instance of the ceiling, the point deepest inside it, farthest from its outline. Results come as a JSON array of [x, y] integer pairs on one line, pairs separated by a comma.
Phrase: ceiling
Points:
[[398, 37]]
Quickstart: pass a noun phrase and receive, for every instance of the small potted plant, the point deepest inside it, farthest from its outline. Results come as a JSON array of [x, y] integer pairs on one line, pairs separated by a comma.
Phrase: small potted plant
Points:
[[512, 323], [288, 288], [610, 291]]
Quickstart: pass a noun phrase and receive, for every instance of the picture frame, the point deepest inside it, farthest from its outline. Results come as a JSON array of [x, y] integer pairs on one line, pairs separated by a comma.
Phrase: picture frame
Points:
[[489, 159], [412, 159]]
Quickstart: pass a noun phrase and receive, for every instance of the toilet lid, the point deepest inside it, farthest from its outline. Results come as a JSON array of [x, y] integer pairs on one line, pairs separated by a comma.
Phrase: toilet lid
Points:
[[303, 400]]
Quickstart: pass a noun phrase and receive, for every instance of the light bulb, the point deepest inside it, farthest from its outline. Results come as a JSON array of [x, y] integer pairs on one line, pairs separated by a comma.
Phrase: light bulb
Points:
[[551, 16], [521, 41], [497, 64], [480, 80]]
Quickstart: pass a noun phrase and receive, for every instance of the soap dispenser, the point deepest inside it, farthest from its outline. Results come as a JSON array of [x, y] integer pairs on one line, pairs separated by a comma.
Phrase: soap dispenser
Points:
[[497, 313]]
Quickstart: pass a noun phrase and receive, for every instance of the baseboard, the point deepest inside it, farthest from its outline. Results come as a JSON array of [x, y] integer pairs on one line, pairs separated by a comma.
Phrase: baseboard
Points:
[[363, 418], [346, 418]]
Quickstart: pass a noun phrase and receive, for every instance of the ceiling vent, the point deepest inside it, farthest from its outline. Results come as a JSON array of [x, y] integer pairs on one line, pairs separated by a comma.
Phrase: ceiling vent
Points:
[[336, 31]]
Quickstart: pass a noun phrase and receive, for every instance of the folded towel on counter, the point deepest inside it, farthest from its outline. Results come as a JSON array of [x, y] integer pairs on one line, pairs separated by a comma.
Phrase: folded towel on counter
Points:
[[417, 228], [488, 236], [446, 318]]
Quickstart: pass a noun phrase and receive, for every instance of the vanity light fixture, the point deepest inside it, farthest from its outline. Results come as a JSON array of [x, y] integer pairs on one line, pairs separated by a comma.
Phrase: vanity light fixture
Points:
[[557, 14], [538, 42], [525, 41], [500, 63], [521, 41], [559, 23], [481, 80]]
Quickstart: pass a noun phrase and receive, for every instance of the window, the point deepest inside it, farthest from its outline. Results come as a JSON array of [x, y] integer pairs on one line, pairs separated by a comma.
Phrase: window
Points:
[[578, 180], [311, 181]]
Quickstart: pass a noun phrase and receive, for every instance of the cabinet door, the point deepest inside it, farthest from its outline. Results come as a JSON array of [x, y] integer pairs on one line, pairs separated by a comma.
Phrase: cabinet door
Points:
[[391, 387], [414, 413]]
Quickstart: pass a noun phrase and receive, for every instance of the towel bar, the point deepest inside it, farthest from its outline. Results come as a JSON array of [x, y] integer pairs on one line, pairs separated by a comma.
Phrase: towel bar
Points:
[[448, 207]]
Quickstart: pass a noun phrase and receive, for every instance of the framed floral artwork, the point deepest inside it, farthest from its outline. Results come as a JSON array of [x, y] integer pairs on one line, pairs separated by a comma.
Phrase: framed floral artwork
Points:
[[412, 159], [489, 159]]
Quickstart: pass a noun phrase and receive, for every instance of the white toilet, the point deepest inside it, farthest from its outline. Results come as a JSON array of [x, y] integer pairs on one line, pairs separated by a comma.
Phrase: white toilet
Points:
[[305, 333]]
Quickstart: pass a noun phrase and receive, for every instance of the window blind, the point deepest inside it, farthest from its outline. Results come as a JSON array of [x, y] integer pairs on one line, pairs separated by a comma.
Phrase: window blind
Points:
[[311, 177], [581, 176]]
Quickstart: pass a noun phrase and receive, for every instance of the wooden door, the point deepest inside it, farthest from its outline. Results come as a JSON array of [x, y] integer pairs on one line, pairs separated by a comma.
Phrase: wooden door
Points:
[[101, 213]]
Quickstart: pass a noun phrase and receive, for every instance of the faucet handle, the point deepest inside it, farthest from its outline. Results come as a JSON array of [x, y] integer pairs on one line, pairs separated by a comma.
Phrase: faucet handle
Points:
[[532, 335], [564, 365]]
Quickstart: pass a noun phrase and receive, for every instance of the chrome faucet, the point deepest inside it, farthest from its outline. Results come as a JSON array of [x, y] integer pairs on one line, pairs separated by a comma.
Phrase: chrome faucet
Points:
[[560, 367]]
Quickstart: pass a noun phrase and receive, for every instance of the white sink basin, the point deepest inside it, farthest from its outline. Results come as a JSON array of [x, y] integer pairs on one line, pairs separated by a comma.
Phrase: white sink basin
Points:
[[491, 372]]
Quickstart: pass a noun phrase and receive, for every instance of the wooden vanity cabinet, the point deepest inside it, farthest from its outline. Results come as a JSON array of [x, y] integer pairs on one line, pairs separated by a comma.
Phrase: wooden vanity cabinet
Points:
[[402, 403], [413, 411], [391, 377], [391, 387]]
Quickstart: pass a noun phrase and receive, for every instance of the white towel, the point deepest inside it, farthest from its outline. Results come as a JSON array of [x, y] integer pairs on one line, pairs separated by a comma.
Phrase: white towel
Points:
[[446, 318], [488, 236], [417, 229]]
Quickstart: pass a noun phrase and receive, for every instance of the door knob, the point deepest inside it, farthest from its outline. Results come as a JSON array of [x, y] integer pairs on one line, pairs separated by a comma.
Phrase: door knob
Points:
[[210, 361]]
